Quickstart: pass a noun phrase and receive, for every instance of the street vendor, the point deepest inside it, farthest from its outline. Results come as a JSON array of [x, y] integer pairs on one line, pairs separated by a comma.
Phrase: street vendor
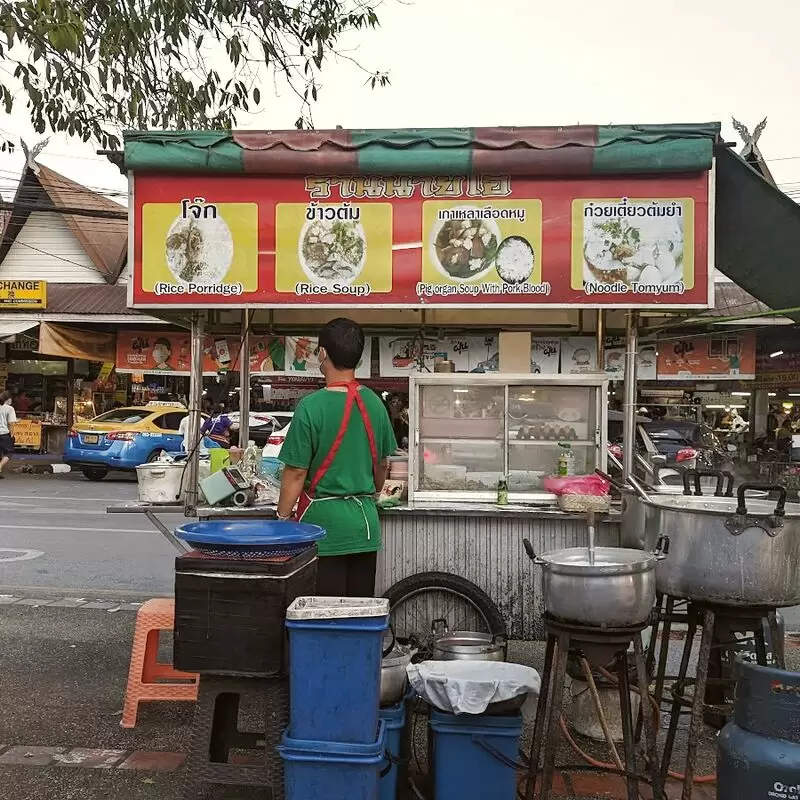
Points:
[[335, 460]]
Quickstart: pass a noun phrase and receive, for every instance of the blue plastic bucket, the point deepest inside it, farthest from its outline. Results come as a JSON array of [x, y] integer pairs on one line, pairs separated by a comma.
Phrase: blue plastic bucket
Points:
[[335, 678], [472, 756], [332, 770], [394, 720]]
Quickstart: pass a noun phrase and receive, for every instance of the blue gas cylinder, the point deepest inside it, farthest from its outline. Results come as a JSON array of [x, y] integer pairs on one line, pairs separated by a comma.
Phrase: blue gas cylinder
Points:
[[758, 752]]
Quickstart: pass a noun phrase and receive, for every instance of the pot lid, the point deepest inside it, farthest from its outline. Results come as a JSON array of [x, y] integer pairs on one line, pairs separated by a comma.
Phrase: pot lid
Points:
[[722, 506]]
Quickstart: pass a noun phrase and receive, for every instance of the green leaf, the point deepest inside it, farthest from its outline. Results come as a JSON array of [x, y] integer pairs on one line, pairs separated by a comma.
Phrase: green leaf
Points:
[[256, 95]]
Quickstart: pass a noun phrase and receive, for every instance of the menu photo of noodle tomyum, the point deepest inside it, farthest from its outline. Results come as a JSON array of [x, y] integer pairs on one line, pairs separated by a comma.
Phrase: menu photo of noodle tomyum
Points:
[[333, 248], [201, 248], [633, 246], [494, 246]]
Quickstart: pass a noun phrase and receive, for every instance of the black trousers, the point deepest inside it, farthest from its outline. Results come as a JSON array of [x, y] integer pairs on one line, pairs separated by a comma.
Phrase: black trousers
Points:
[[352, 575]]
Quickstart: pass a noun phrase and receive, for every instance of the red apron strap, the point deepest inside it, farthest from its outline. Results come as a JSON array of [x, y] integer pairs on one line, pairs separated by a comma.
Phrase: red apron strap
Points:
[[337, 442]]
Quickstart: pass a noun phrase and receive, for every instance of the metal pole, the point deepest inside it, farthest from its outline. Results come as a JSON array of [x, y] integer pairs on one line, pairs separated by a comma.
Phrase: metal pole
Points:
[[244, 381], [195, 403], [629, 406], [601, 340]]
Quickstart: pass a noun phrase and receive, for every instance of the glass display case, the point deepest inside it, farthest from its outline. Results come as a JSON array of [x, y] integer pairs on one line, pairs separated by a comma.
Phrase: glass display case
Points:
[[471, 430]]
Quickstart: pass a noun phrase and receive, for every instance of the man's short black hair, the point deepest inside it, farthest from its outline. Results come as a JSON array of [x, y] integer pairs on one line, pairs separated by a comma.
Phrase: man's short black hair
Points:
[[343, 341]]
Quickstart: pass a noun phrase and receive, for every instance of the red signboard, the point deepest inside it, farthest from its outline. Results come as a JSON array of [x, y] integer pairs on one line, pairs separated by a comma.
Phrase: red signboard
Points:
[[708, 358], [491, 241]]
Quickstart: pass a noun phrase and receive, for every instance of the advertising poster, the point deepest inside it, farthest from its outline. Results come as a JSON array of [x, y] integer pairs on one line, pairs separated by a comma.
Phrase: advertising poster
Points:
[[545, 355], [403, 355], [301, 357], [578, 355], [708, 358], [614, 359], [160, 351], [211, 241]]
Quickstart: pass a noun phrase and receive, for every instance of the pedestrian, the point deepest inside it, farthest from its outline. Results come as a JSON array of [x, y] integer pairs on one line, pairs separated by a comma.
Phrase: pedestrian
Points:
[[219, 427], [335, 461], [7, 419]]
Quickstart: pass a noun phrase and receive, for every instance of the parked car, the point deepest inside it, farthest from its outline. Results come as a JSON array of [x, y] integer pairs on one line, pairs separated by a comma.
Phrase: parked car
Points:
[[274, 443], [688, 445], [124, 438], [263, 424]]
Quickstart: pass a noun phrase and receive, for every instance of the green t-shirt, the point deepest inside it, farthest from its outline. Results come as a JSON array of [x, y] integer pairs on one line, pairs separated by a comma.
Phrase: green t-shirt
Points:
[[344, 505]]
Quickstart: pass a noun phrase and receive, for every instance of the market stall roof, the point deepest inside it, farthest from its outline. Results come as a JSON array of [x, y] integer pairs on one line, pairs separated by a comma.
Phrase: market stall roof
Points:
[[572, 150]]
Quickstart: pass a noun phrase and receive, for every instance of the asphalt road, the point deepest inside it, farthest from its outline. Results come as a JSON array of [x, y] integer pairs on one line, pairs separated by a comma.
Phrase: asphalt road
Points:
[[55, 534]]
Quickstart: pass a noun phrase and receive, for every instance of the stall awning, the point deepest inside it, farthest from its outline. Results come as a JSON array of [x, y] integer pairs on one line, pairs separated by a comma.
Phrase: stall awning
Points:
[[571, 150], [757, 234], [9, 329]]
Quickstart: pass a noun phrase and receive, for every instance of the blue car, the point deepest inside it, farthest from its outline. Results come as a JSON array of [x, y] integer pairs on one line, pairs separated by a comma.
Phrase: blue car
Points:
[[124, 438]]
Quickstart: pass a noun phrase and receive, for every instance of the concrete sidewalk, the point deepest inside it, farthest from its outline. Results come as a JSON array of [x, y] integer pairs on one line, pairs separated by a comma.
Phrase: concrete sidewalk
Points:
[[62, 681]]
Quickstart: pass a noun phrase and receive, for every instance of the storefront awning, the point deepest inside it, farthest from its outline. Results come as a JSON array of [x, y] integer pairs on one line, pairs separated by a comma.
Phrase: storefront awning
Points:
[[757, 234], [9, 329], [579, 150]]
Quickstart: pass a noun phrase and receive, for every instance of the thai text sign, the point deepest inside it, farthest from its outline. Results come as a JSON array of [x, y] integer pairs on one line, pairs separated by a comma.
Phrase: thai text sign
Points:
[[28, 434], [23, 294], [217, 241]]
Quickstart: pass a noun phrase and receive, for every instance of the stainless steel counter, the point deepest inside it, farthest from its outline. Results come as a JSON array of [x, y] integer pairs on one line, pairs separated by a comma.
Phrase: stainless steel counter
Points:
[[482, 543]]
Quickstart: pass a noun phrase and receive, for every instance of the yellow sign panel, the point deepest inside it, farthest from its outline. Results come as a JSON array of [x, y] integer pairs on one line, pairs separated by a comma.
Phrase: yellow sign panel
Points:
[[23, 294], [28, 434]]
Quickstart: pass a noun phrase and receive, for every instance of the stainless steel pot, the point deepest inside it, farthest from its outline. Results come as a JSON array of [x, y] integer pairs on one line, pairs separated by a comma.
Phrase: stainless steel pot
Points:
[[466, 645], [617, 591], [732, 552], [393, 674]]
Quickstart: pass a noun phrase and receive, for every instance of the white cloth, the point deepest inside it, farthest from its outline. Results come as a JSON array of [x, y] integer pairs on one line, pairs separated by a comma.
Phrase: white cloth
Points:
[[183, 430], [7, 418], [467, 687]]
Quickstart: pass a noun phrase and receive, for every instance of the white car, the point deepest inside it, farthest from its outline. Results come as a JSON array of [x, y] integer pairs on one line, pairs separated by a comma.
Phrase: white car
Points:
[[276, 439], [265, 425]]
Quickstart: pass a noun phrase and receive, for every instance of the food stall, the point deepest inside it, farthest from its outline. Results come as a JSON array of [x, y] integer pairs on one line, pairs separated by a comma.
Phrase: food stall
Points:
[[523, 230]]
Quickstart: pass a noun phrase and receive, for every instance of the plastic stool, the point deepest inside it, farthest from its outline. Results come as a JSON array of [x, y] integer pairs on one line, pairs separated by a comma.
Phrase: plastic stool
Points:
[[215, 733], [147, 676]]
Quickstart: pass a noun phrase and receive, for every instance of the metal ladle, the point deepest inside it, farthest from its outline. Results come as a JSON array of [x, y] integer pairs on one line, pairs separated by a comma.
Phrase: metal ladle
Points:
[[590, 526]]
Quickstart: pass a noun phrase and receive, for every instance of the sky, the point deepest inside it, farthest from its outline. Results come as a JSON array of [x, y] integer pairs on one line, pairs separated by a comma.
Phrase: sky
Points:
[[461, 63]]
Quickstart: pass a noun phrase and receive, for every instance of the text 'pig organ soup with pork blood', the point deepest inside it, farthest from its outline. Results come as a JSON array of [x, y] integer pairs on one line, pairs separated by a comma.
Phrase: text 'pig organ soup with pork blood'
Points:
[[645, 251], [199, 250]]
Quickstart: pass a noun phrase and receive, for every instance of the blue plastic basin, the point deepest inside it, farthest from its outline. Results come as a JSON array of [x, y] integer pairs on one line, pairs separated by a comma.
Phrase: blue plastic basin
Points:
[[249, 532]]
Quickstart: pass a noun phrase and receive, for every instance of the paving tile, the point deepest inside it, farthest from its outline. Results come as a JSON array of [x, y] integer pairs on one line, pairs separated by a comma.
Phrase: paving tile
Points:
[[129, 606], [68, 602], [91, 759], [32, 601], [7, 599], [99, 605], [153, 761], [30, 756]]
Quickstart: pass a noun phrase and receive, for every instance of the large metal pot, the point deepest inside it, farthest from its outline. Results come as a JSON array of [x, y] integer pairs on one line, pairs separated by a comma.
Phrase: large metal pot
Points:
[[732, 552], [633, 530], [466, 645], [617, 591]]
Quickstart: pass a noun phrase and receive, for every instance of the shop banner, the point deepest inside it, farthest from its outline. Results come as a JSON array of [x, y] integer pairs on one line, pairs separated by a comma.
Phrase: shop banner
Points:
[[708, 358], [480, 241], [578, 355], [23, 294], [301, 357], [28, 434], [158, 351], [61, 340], [401, 356], [614, 359], [778, 355], [545, 355]]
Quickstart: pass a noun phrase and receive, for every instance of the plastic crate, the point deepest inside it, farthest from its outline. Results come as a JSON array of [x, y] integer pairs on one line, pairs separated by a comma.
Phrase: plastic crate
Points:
[[332, 770], [230, 613], [335, 649], [473, 754]]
